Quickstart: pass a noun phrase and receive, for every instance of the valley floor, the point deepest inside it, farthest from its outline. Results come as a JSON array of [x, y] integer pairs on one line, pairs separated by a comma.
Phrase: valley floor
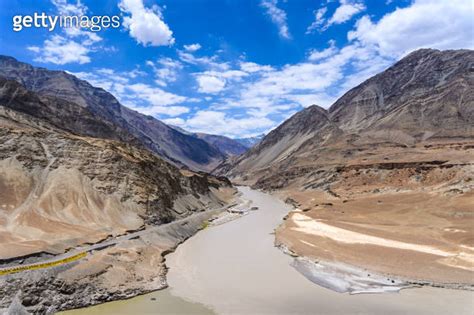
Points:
[[234, 268], [424, 237]]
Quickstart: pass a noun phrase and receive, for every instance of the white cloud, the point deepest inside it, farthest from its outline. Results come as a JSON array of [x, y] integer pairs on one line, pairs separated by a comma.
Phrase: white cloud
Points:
[[215, 81], [145, 98], [318, 20], [278, 16], [155, 95], [425, 23], [208, 62], [235, 75], [252, 67], [72, 45], [216, 122], [157, 110], [146, 25], [210, 84], [328, 52], [166, 70], [192, 47], [60, 50], [345, 12], [246, 98], [320, 79], [66, 8], [174, 121]]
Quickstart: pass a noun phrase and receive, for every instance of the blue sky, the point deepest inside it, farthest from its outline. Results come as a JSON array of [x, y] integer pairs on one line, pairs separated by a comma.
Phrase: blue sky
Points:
[[236, 67]]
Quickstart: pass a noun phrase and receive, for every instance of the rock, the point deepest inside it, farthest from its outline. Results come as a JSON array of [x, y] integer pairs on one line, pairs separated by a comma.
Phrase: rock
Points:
[[16, 308], [108, 118], [400, 107]]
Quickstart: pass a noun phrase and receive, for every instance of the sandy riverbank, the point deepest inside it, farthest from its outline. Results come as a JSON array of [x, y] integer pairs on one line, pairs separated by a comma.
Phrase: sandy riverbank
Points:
[[415, 237], [234, 268], [128, 266]]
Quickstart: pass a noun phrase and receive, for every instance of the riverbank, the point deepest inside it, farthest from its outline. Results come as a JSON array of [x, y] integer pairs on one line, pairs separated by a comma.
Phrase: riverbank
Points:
[[374, 238], [234, 268], [117, 269]]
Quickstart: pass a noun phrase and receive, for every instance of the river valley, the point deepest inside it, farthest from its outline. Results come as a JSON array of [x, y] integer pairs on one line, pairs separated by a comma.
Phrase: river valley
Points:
[[234, 268]]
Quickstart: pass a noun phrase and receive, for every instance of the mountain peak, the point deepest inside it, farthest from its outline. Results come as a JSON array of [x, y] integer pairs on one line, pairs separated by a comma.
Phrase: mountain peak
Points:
[[7, 58], [172, 145], [426, 95]]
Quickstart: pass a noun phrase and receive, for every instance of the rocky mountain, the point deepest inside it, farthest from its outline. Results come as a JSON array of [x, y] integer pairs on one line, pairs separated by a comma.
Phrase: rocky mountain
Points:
[[227, 146], [174, 146], [251, 141], [386, 172], [73, 174], [426, 96]]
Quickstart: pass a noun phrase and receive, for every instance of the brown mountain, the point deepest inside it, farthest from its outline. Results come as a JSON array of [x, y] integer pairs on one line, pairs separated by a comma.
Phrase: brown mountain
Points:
[[227, 146], [427, 96], [176, 147], [69, 178], [391, 162]]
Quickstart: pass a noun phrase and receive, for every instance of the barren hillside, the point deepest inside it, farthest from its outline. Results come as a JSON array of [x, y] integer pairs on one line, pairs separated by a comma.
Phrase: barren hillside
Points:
[[392, 160]]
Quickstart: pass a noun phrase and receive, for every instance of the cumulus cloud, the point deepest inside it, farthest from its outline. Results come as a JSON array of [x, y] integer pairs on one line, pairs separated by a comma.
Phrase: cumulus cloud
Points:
[[318, 20], [72, 45], [217, 122], [321, 54], [209, 83], [145, 98], [66, 8], [154, 95], [346, 11], [278, 17], [208, 62], [251, 67], [157, 110], [146, 25], [241, 97], [425, 23], [213, 81], [166, 70], [192, 47], [343, 13], [60, 50]]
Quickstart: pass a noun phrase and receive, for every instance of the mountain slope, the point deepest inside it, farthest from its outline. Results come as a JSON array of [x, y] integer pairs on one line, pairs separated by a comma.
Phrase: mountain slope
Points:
[[226, 145], [386, 172], [79, 181], [176, 147], [251, 141], [428, 95], [70, 179]]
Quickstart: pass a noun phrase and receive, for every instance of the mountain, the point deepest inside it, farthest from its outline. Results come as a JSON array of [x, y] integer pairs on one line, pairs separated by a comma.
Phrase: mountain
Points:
[[227, 146], [72, 177], [83, 182], [386, 172], [426, 96], [174, 146], [251, 141]]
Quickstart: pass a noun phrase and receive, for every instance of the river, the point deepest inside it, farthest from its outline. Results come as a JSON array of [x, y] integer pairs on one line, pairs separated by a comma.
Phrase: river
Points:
[[235, 269]]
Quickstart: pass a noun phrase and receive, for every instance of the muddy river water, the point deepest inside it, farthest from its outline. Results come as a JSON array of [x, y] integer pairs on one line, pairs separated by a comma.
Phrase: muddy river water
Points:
[[235, 269]]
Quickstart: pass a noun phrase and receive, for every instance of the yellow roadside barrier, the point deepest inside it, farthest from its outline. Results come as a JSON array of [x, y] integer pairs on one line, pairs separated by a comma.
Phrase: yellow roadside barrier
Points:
[[42, 265]]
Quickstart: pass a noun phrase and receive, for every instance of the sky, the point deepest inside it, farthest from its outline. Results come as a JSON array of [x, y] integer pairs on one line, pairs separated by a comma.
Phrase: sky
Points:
[[234, 67]]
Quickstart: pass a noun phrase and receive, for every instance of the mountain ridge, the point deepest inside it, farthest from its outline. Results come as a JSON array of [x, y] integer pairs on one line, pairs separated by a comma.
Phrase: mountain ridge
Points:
[[390, 162], [178, 148], [385, 108]]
